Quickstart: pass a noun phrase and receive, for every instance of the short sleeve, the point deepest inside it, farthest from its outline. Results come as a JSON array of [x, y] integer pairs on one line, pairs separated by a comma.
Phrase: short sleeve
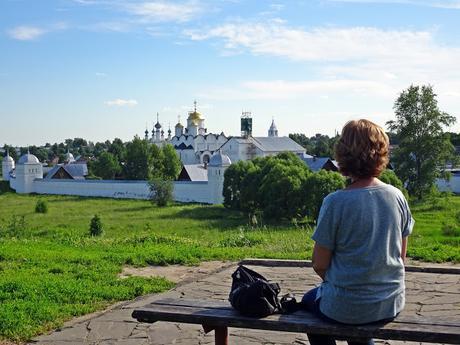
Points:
[[409, 222], [325, 231]]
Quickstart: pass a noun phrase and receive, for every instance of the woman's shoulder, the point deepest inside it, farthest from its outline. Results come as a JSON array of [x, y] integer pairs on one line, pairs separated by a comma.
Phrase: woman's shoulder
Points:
[[346, 194]]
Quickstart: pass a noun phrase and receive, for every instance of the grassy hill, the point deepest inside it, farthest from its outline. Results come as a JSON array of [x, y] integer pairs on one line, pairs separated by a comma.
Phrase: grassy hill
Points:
[[52, 270]]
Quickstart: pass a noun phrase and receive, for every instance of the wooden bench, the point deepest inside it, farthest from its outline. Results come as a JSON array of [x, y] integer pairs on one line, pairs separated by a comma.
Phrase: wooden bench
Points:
[[219, 315]]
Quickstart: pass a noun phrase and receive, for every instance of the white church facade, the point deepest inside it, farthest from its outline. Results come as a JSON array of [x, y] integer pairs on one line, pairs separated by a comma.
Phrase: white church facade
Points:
[[193, 143], [195, 146]]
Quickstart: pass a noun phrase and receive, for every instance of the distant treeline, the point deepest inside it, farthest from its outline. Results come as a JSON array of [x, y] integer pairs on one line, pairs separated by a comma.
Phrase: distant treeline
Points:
[[321, 145]]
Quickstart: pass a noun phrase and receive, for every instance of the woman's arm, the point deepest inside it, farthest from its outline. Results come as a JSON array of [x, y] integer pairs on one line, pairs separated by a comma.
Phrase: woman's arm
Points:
[[321, 259], [404, 249]]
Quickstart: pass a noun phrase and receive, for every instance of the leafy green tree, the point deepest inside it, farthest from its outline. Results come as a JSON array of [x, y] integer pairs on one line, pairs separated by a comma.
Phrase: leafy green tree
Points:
[[138, 164], [12, 152], [158, 160], [303, 141], [106, 166], [161, 191], [454, 138], [232, 184], [423, 147], [280, 187], [171, 162], [118, 149], [318, 145], [317, 186]]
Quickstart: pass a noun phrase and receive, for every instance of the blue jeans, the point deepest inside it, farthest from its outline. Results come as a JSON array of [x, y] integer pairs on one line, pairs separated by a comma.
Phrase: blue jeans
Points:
[[311, 304]]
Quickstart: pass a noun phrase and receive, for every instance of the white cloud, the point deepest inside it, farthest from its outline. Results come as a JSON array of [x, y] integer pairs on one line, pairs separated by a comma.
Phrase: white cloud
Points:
[[319, 44], [362, 58], [29, 33], [166, 11], [26, 33], [101, 74], [121, 102]]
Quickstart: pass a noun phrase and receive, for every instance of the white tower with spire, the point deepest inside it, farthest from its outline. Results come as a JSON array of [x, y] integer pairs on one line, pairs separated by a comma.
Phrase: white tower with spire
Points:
[[273, 131], [7, 166]]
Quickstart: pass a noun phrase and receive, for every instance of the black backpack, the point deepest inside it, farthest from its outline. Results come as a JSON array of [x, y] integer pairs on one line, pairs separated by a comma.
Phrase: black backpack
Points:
[[252, 295]]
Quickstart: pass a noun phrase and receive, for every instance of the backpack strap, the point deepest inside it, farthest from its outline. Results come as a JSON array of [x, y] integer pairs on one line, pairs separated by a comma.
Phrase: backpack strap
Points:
[[275, 287], [289, 304]]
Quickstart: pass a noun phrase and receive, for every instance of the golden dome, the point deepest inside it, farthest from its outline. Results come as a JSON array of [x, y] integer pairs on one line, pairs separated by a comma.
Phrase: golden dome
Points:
[[194, 116]]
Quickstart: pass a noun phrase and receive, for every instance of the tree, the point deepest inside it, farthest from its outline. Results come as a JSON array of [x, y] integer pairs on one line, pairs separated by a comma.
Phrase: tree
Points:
[[319, 145], [423, 146], [118, 149], [158, 160], [12, 152], [138, 160], [171, 162], [281, 190], [317, 186], [106, 166]]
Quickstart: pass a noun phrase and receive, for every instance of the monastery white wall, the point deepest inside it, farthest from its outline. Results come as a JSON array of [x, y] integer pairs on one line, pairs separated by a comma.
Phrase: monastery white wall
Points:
[[184, 191], [98, 188], [453, 185], [195, 191]]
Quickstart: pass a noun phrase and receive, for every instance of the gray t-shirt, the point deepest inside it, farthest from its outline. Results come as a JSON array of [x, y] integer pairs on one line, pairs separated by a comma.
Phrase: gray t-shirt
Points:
[[363, 228]]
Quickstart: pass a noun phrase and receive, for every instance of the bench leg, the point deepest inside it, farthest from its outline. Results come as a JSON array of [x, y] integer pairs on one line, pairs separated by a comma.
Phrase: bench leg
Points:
[[220, 334]]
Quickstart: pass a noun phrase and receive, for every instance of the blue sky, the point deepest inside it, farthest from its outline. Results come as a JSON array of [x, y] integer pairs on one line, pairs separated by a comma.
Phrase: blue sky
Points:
[[101, 69]]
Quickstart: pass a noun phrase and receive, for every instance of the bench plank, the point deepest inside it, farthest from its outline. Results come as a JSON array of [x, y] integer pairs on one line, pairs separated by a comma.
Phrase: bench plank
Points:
[[220, 314]]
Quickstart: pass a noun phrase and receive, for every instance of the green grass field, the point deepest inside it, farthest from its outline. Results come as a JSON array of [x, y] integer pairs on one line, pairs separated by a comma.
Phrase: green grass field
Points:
[[52, 270]]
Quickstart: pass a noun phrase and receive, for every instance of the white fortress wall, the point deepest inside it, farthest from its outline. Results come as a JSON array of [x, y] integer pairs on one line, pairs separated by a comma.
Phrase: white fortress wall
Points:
[[195, 191], [98, 188], [453, 185], [184, 191]]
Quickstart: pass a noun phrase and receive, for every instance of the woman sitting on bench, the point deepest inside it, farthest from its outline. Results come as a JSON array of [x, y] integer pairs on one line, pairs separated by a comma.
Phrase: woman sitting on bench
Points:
[[360, 238]]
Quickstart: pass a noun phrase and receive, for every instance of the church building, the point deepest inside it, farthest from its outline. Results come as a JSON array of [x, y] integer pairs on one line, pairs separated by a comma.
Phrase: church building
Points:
[[193, 143], [195, 146]]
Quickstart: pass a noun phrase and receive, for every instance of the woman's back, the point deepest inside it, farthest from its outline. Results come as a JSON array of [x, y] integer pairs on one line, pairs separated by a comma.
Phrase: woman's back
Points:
[[364, 228]]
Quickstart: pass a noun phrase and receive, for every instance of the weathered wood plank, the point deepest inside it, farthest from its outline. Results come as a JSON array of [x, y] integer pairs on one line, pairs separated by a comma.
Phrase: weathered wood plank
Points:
[[219, 314], [306, 263], [183, 302]]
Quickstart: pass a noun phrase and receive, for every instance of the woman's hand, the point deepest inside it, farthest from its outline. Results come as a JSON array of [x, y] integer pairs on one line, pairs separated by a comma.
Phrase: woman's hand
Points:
[[321, 259]]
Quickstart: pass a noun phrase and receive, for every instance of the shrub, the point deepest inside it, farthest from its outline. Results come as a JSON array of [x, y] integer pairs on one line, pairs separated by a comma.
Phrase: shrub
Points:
[[389, 177], [5, 187], [95, 226], [162, 191], [41, 206]]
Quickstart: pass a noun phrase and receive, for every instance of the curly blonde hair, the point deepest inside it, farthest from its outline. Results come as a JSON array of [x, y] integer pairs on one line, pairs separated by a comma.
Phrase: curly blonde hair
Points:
[[362, 150]]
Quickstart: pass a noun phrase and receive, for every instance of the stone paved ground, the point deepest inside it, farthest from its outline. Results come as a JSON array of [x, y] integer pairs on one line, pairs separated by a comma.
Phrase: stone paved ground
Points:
[[427, 294]]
